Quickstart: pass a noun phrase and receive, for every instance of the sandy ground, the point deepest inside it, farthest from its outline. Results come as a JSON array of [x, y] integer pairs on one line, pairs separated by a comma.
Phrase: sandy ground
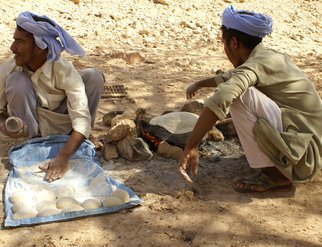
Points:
[[180, 42]]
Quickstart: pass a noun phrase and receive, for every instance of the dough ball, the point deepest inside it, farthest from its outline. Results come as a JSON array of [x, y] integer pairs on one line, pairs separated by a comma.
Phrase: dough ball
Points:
[[112, 201], [24, 214], [42, 205], [67, 191], [20, 196], [73, 208], [46, 195], [66, 202], [17, 207], [48, 211], [22, 206], [122, 194], [91, 203]]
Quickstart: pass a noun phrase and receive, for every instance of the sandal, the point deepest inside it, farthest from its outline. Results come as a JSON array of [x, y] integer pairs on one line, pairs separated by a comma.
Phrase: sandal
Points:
[[260, 183]]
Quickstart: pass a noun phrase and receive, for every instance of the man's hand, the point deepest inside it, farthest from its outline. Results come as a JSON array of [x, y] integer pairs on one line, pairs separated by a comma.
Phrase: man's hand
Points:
[[189, 164], [55, 169], [192, 90], [190, 158]]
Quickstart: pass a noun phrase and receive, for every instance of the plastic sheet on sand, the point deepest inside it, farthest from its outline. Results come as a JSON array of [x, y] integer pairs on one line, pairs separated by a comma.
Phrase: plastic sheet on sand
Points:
[[85, 176]]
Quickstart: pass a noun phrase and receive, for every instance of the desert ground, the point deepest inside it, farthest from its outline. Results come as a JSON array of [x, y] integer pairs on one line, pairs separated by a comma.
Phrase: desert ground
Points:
[[179, 42]]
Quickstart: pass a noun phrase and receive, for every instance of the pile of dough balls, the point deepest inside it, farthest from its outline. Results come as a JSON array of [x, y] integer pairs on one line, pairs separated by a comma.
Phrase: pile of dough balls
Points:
[[22, 205], [46, 202]]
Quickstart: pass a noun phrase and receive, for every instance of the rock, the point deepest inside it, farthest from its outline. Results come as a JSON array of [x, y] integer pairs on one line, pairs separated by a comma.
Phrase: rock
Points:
[[134, 149], [169, 151], [118, 54], [161, 2], [128, 122], [98, 14], [128, 115], [227, 127], [110, 151], [195, 107], [215, 135], [117, 133], [108, 117], [217, 71], [134, 58]]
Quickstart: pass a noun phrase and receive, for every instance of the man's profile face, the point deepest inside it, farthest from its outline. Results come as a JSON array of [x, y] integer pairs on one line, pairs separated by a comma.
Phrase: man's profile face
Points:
[[231, 52], [24, 48]]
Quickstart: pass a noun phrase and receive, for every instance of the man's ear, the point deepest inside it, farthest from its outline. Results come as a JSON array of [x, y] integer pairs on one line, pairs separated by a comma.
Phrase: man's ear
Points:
[[234, 42]]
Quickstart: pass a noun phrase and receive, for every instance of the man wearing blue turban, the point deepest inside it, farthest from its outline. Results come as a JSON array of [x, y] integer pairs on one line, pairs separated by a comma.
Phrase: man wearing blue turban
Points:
[[275, 108], [45, 91]]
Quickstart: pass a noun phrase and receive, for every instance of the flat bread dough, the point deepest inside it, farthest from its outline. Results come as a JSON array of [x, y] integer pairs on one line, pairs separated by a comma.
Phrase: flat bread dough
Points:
[[176, 122]]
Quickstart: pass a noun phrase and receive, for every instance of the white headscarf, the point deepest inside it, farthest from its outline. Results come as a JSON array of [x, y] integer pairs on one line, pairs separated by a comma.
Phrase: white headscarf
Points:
[[53, 37]]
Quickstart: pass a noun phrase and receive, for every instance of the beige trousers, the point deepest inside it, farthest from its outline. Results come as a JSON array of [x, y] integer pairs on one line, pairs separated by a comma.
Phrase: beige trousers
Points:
[[244, 112], [22, 98]]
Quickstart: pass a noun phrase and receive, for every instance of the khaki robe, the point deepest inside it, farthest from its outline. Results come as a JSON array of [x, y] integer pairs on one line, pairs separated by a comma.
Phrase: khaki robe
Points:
[[297, 150]]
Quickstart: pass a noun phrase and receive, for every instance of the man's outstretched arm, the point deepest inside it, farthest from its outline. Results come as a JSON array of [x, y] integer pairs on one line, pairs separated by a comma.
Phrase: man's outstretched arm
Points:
[[190, 158], [57, 167]]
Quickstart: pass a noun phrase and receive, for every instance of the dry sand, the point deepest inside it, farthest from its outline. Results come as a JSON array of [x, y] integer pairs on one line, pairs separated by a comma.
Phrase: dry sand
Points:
[[180, 43]]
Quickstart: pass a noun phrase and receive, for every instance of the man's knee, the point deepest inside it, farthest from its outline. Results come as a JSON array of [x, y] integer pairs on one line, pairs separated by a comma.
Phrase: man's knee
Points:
[[244, 103], [18, 83], [248, 97], [93, 76]]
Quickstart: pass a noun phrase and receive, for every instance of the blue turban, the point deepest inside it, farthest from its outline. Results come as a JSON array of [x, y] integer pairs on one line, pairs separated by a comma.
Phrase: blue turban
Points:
[[46, 35], [251, 23]]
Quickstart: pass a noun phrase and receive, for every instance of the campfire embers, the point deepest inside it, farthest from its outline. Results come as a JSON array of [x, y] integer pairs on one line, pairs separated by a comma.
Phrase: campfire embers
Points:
[[154, 134], [151, 140]]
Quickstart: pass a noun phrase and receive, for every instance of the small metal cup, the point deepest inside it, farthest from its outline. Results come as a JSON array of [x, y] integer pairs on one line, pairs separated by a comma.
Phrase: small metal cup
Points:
[[14, 125]]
